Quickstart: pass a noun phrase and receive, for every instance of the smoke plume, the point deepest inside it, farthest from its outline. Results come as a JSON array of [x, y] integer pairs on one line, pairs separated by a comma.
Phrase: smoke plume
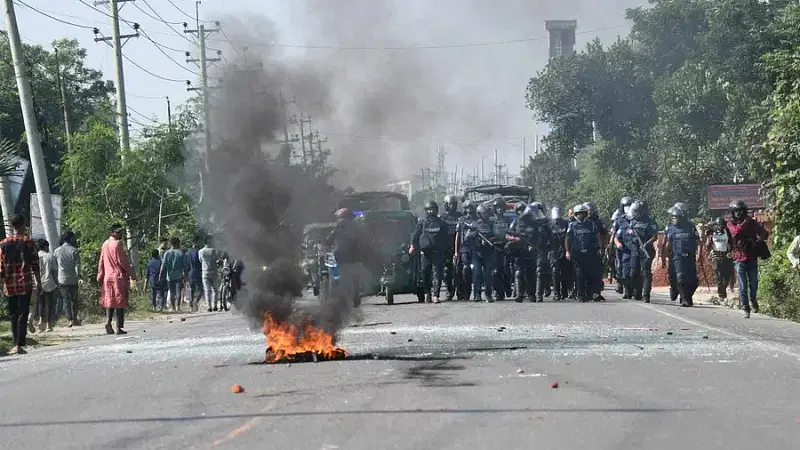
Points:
[[382, 106]]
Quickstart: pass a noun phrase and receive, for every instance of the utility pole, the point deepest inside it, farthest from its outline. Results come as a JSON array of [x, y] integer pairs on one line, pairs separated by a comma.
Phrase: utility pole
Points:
[[117, 44], [169, 115], [31, 127], [304, 121], [202, 32], [64, 103]]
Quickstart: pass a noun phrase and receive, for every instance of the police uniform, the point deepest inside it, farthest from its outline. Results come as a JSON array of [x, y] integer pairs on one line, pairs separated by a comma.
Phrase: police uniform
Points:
[[451, 277], [500, 275], [583, 251], [465, 223], [527, 253], [480, 257], [560, 268], [598, 274], [430, 238], [683, 239], [637, 258], [621, 221]]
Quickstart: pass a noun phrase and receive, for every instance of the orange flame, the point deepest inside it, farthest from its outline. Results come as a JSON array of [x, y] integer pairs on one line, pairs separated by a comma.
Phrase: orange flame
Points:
[[286, 341]]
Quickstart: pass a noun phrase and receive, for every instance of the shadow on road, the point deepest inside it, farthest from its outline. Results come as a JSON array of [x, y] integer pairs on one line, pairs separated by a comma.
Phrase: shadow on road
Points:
[[107, 421]]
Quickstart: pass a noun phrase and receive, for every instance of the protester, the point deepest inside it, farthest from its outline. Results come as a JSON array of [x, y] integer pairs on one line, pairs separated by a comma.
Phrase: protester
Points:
[[748, 237], [19, 271], [68, 260], [193, 269], [46, 300], [172, 269], [155, 282], [208, 261], [114, 274]]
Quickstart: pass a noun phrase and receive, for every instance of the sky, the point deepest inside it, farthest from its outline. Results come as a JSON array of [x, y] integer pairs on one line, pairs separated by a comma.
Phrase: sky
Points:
[[473, 58]]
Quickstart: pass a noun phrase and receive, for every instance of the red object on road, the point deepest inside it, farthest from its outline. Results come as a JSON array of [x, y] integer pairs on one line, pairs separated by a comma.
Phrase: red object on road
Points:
[[554, 385]]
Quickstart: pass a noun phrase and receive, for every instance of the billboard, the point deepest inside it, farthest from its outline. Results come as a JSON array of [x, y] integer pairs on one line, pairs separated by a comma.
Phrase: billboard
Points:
[[17, 178], [720, 196], [37, 227]]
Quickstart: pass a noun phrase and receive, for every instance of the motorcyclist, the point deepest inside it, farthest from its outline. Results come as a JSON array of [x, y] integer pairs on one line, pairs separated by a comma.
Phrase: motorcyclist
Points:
[[582, 244], [500, 226], [635, 241], [595, 217], [682, 241], [451, 216], [430, 238], [527, 238], [749, 242], [464, 251], [344, 242], [619, 220], [560, 267]]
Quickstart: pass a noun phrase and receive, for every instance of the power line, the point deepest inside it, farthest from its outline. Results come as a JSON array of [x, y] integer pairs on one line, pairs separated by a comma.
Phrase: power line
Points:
[[146, 97], [158, 46], [53, 17], [142, 115], [422, 47], [221, 30], [508, 140], [151, 73], [164, 21], [155, 18], [187, 14]]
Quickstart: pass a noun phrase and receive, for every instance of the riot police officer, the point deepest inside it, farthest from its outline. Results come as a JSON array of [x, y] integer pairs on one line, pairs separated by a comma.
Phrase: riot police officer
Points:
[[501, 274], [582, 244], [595, 217], [621, 219], [430, 238], [635, 241], [674, 292], [450, 218], [560, 268], [543, 288], [682, 240], [345, 243], [478, 239], [464, 251], [526, 237]]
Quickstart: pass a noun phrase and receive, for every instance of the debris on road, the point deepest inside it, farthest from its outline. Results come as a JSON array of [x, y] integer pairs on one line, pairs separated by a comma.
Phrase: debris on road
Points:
[[669, 333], [410, 340], [520, 371], [237, 389], [560, 336], [183, 319], [705, 336], [393, 332], [554, 385], [128, 351]]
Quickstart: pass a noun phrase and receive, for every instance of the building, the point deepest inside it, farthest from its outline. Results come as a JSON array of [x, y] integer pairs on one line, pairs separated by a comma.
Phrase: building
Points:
[[562, 36]]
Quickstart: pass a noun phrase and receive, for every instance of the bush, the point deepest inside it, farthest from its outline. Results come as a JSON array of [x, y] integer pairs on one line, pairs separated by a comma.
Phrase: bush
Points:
[[779, 286]]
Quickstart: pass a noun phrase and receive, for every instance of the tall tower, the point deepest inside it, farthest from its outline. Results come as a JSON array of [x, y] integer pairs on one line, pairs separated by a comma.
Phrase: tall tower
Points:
[[562, 36]]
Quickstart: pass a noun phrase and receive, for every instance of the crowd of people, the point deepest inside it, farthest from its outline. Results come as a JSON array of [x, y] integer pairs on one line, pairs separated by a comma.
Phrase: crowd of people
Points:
[[489, 251], [28, 269]]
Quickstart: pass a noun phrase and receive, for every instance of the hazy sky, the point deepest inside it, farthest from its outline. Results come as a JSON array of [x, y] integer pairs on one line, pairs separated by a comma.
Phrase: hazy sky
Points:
[[484, 53]]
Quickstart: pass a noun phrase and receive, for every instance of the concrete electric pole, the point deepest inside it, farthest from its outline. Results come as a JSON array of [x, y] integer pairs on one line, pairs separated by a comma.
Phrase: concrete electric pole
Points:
[[117, 44], [31, 127], [203, 62]]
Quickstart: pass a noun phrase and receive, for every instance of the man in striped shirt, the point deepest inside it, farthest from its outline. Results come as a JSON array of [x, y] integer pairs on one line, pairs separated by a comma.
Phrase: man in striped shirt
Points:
[[19, 272]]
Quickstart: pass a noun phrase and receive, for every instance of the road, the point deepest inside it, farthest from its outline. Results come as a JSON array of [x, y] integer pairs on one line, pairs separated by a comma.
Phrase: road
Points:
[[449, 376]]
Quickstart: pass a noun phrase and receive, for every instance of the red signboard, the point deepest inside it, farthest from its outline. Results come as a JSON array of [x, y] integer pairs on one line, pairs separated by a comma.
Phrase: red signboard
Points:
[[720, 196]]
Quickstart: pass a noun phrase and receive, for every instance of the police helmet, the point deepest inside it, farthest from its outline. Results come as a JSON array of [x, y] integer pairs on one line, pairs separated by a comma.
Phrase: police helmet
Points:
[[450, 203], [675, 212], [580, 212], [637, 210], [469, 206], [555, 212], [520, 208], [483, 210], [538, 205], [499, 203], [721, 223], [431, 208], [737, 205], [615, 216], [591, 208], [626, 201], [680, 205]]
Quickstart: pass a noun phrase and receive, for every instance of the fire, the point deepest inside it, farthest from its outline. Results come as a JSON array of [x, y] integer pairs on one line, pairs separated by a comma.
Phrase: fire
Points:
[[289, 342]]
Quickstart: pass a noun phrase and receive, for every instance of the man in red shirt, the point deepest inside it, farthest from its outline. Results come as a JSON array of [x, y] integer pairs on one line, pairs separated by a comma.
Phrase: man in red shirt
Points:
[[745, 232], [19, 272]]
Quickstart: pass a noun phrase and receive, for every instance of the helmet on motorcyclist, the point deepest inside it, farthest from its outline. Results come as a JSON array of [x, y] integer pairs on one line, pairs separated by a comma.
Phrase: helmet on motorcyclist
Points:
[[720, 223], [738, 209]]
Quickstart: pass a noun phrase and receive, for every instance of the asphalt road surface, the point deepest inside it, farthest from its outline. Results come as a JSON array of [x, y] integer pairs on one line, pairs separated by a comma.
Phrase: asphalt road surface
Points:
[[451, 376]]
